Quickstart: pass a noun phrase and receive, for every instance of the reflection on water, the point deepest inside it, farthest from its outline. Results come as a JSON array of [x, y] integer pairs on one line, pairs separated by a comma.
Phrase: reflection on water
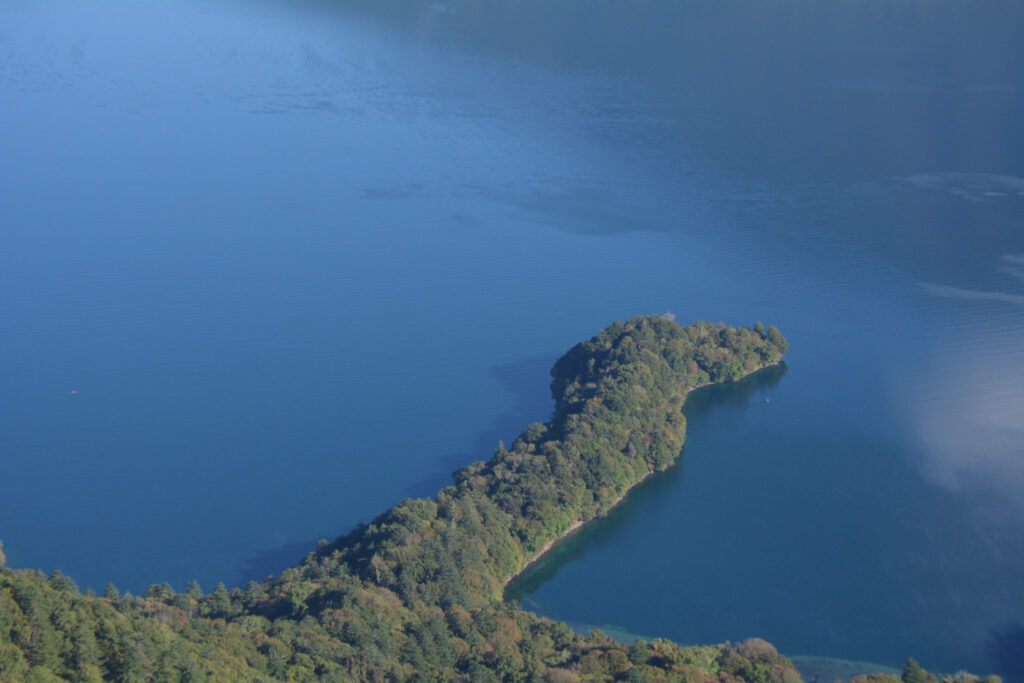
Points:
[[975, 187], [598, 532], [968, 411], [736, 394], [970, 426], [528, 382], [1007, 647], [591, 535], [272, 561]]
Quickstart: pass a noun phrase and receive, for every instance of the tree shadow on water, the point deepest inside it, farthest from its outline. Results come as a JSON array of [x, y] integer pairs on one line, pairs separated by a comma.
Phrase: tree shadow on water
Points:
[[272, 561], [605, 529], [595, 533], [529, 382], [733, 394], [1006, 648]]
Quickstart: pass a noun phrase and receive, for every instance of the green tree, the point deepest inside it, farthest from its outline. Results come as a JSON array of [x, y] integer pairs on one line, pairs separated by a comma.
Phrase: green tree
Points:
[[159, 590], [62, 582], [913, 672], [218, 604], [111, 592], [776, 339], [417, 595], [253, 595], [639, 652]]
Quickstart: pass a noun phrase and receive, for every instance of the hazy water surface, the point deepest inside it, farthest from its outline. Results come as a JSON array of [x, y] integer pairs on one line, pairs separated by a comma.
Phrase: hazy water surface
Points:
[[266, 269]]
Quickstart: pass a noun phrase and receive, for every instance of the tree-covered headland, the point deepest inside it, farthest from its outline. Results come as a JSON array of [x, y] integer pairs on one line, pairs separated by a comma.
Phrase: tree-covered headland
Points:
[[417, 594]]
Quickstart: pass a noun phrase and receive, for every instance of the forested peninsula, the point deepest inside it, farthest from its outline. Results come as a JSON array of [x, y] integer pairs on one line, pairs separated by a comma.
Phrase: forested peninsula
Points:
[[417, 594]]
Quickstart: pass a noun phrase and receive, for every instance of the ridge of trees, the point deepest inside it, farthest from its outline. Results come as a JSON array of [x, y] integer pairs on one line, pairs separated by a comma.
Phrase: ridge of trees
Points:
[[617, 418], [417, 594]]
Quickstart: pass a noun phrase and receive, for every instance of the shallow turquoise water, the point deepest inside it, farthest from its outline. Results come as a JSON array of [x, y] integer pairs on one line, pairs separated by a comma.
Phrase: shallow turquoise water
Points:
[[299, 262]]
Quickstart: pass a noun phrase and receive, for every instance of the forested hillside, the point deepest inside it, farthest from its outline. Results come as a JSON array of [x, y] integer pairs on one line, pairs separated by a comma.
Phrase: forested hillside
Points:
[[418, 593]]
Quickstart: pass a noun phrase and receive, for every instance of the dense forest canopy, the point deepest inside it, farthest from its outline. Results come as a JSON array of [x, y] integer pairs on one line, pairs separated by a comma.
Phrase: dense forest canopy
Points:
[[418, 594]]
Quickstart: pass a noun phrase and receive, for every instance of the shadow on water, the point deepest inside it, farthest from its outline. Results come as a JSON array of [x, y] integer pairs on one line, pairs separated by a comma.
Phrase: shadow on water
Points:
[[1006, 647], [592, 535], [528, 381], [272, 561], [736, 394], [599, 531]]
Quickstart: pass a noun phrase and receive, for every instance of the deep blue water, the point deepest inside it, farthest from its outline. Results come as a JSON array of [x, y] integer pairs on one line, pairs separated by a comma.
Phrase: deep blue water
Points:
[[299, 261]]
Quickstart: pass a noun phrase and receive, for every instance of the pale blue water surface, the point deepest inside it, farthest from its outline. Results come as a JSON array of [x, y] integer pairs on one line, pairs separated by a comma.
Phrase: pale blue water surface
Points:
[[267, 268]]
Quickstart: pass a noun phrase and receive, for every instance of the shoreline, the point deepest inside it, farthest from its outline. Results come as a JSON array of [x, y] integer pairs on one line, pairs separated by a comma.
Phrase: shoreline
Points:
[[539, 555]]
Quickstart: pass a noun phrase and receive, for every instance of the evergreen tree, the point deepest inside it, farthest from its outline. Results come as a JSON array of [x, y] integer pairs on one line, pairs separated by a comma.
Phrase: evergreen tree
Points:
[[62, 582], [639, 652], [253, 595], [777, 340], [218, 604], [159, 590], [913, 673]]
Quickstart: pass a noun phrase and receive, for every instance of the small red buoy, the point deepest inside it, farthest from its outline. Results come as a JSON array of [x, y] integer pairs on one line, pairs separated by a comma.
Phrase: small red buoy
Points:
[[74, 391]]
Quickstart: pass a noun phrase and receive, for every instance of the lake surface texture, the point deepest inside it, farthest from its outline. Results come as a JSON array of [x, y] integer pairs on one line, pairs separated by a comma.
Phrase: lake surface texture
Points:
[[267, 268]]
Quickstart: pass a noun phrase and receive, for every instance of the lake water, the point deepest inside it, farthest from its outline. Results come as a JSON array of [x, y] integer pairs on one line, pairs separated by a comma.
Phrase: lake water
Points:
[[268, 268]]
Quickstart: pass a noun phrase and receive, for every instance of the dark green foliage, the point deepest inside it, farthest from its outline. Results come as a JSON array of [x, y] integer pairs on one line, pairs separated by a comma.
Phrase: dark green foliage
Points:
[[162, 590], [617, 419], [50, 632], [62, 583], [913, 673], [639, 652], [218, 604], [194, 591], [417, 595]]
